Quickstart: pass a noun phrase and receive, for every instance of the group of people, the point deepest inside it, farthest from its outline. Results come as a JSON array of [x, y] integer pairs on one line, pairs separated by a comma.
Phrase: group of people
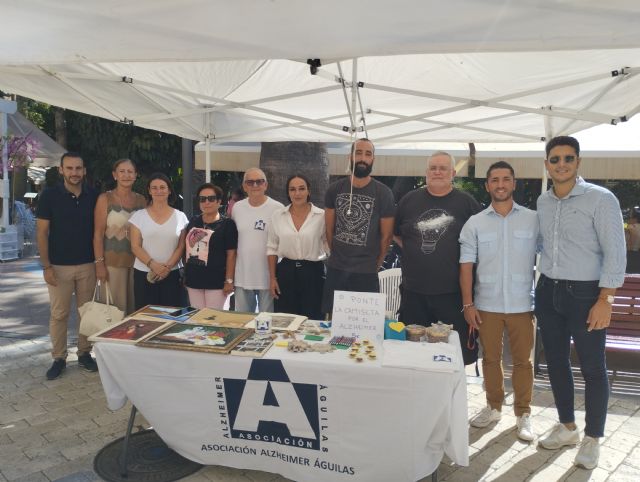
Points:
[[462, 265]]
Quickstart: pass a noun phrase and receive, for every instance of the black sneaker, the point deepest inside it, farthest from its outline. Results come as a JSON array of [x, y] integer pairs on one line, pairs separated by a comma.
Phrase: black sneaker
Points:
[[56, 369], [87, 362]]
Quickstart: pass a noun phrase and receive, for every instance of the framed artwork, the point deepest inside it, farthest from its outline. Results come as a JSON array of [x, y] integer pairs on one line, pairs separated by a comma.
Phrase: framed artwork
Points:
[[197, 337], [281, 322], [228, 319], [254, 346], [131, 330], [172, 313]]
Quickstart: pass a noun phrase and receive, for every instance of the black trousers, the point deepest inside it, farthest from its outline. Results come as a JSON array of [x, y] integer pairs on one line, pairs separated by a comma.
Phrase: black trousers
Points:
[[421, 309], [301, 284], [338, 280], [167, 292]]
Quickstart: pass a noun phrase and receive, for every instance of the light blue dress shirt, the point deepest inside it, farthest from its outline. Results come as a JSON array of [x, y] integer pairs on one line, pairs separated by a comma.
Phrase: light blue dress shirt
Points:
[[582, 236], [504, 250]]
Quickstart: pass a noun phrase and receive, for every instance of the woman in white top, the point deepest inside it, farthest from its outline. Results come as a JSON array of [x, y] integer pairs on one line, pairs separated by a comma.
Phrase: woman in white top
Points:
[[297, 235], [157, 242]]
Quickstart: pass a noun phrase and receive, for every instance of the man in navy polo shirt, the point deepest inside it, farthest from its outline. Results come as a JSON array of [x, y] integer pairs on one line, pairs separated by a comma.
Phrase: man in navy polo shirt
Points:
[[65, 235]]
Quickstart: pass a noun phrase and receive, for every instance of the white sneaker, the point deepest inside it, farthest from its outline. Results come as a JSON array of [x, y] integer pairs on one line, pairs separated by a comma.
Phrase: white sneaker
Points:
[[486, 416], [559, 437], [523, 426], [588, 454]]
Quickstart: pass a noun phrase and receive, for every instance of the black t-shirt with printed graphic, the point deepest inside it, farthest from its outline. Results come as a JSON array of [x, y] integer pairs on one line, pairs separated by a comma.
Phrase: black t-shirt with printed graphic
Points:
[[430, 228], [206, 270], [355, 246]]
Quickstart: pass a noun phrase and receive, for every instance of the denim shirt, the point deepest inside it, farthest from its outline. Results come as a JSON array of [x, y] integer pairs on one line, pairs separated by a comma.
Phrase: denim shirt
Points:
[[504, 250], [582, 236]]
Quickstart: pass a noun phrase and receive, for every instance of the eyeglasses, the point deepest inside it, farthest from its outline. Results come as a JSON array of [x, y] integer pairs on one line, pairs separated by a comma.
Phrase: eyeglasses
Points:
[[567, 159], [255, 182], [211, 199]]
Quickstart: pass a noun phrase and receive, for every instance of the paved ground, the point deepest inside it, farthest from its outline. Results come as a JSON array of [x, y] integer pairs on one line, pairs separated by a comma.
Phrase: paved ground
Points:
[[51, 430]]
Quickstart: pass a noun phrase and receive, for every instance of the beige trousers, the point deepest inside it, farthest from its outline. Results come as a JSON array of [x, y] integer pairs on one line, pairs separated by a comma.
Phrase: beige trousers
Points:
[[121, 287], [80, 279], [520, 329]]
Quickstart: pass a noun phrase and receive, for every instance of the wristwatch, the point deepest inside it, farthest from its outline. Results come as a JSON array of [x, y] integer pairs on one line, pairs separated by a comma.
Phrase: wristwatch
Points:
[[229, 280], [608, 298]]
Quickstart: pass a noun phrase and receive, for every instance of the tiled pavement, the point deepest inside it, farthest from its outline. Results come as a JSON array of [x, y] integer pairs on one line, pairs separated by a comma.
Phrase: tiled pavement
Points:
[[51, 430]]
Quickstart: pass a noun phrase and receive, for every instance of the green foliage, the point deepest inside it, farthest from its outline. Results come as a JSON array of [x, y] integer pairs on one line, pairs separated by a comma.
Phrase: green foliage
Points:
[[39, 113]]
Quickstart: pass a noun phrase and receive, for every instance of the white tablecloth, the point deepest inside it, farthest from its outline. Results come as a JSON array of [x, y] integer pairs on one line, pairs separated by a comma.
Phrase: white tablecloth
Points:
[[308, 417]]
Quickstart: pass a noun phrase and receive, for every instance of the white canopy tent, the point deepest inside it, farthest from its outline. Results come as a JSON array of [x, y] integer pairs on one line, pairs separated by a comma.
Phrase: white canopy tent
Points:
[[402, 72]]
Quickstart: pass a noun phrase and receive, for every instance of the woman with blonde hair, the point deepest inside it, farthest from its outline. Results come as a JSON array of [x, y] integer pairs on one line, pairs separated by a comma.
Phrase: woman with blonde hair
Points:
[[111, 245]]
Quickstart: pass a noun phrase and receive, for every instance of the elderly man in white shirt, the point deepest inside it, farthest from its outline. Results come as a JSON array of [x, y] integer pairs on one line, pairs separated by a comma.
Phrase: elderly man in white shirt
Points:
[[297, 235]]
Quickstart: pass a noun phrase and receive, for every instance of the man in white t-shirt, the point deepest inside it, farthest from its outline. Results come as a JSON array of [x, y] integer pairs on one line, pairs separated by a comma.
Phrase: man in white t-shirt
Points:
[[252, 217]]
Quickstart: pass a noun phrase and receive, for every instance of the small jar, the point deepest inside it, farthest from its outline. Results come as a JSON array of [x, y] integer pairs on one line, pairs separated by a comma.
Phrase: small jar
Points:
[[415, 332]]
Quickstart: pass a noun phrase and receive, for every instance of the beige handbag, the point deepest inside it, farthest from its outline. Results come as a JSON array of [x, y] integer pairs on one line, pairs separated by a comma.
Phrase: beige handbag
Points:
[[96, 316]]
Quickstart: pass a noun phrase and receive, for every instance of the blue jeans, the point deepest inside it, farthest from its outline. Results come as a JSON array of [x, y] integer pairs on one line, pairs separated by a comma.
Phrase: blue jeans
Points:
[[249, 300], [562, 309]]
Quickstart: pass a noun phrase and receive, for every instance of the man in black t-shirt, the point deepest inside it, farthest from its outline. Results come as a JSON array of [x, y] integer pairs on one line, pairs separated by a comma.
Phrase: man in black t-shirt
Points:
[[359, 221], [65, 240], [428, 225]]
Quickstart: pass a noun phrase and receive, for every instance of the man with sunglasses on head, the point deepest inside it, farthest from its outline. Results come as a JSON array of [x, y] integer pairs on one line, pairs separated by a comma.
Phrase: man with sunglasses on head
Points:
[[582, 263], [252, 216]]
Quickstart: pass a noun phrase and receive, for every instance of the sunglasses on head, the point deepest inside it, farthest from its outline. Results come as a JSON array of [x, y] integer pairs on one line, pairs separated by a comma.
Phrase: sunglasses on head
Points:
[[567, 159], [255, 182], [211, 199]]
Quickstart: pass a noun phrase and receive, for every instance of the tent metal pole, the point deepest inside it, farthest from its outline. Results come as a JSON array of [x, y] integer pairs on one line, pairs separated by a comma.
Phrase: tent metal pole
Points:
[[354, 92], [207, 163], [6, 107]]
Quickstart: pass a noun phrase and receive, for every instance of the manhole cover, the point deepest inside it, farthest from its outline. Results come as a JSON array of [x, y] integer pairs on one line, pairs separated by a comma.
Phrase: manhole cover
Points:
[[148, 459]]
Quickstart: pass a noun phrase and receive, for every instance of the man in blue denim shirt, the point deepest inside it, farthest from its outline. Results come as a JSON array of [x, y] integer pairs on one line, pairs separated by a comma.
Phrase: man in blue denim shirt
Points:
[[582, 263], [501, 242]]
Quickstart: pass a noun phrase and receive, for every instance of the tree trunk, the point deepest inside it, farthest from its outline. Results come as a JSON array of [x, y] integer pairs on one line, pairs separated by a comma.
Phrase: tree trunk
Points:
[[60, 126], [279, 160]]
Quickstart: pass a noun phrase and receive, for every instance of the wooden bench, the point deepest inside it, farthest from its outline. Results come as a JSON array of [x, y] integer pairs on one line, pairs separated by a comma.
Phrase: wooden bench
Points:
[[623, 333]]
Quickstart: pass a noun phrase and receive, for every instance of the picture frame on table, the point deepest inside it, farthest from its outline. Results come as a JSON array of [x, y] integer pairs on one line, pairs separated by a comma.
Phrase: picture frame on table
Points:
[[228, 319], [197, 337], [171, 313], [254, 346], [130, 331], [281, 321]]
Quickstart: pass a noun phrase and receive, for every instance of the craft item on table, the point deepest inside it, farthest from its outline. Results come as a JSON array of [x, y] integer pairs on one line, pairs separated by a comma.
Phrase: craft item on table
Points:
[[438, 332], [228, 319], [298, 346], [282, 343], [130, 331], [314, 337], [353, 354], [359, 359], [321, 347], [342, 342], [325, 324], [280, 321], [263, 324], [254, 346], [394, 330], [196, 337], [415, 332], [372, 355]]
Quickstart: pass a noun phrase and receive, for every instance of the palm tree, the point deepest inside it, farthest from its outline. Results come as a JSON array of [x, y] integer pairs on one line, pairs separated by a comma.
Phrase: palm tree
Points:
[[279, 160]]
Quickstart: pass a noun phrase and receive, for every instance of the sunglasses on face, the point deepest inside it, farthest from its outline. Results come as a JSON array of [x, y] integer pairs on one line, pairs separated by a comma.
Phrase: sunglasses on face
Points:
[[211, 199], [567, 159], [255, 182]]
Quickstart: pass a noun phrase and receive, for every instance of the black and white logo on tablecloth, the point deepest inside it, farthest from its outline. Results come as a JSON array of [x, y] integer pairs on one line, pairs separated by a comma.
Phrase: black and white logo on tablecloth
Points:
[[268, 406]]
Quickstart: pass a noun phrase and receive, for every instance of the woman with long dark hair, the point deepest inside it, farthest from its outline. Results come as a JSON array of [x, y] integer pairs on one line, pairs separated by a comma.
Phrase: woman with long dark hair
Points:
[[157, 241], [297, 236]]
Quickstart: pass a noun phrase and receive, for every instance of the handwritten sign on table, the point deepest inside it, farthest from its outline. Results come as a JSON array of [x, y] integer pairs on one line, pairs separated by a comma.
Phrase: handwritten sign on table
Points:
[[360, 315]]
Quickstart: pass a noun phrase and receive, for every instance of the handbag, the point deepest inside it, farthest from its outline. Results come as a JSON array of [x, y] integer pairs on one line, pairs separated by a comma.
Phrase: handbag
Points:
[[96, 316]]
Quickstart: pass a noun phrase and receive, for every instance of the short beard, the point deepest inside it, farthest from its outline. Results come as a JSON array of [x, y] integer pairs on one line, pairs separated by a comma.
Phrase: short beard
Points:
[[362, 169]]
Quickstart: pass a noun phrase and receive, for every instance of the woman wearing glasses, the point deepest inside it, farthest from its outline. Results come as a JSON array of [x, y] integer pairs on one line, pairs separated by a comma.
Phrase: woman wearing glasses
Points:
[[157, 241], [211, 244], [297, 235]]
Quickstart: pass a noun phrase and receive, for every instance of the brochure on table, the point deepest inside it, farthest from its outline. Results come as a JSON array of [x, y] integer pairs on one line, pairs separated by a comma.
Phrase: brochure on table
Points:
[[359, 315]]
